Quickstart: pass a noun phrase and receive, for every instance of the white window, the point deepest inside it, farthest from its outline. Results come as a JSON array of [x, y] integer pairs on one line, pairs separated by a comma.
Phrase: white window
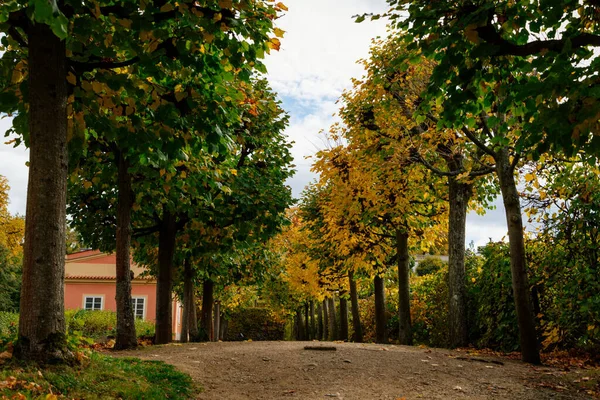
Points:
[[93, 302], [139, 307]]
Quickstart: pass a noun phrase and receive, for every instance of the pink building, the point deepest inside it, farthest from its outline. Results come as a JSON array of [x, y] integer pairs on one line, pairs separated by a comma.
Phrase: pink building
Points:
[[90, 284]]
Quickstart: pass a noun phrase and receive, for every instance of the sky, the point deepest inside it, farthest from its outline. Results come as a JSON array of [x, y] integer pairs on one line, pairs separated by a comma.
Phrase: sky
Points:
[[317, 60]]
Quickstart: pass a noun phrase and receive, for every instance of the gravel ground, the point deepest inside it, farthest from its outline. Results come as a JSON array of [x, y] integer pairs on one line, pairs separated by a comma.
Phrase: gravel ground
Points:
[[275, 370]]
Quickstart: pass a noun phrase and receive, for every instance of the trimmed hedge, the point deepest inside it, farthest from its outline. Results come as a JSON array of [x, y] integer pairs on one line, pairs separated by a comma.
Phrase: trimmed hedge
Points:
[[254, 324]]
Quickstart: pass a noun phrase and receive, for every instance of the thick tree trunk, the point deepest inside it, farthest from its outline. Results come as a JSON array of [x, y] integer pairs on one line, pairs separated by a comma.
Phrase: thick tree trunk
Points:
[[313, 329], [333, 325], [164, 279], [405, 333], [126, 337], [42, 319], [380, 322], [319, 335], [510, 196], [458, 197], [206, 323], [217, 323], [356, 325], [325, 319], [343, 318]]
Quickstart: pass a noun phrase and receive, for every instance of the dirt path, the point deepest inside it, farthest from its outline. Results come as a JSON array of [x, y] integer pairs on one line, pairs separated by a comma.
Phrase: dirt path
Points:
[[273, 370]]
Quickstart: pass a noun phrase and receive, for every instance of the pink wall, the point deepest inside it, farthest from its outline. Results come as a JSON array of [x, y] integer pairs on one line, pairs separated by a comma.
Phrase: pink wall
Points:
[[75, 292]]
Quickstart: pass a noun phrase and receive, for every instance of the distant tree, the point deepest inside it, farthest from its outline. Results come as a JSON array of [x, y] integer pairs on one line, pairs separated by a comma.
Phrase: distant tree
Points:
[[429, 265]]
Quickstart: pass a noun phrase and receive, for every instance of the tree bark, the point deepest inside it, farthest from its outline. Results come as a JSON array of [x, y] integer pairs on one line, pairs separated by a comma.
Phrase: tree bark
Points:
[[343, 318], [217, 323], [313, 329], [306, 322], [224, 325], [164, 279], [380, 320], [333, 325], [299, 326], [356, 325], [520, 282], [325, 319], [405, 333], [458, 198], [189, 322], [42, 320], [206, 322], [126, 337], [319, 335]]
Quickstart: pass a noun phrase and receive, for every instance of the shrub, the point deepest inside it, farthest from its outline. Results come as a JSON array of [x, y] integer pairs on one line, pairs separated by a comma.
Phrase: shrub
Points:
[[255, 324], [429, 308], [429, 265]]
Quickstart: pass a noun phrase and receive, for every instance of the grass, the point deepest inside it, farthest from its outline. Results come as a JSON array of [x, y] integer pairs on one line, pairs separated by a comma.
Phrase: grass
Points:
[[99, 377]]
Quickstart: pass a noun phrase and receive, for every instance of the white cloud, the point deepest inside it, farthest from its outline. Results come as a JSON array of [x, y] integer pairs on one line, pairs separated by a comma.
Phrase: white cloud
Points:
[[317, 61], [12, 166]]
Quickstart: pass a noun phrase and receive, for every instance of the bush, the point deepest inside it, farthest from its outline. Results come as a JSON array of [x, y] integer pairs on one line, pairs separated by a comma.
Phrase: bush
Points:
[[429, 308], [255, 324], [430, 265]]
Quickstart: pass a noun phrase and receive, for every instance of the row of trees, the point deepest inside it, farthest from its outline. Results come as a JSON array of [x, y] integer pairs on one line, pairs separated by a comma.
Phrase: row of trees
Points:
[[457, 106], [154, 114]]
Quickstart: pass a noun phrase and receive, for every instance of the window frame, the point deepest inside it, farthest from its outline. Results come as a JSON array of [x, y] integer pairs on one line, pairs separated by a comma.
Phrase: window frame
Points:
[[134, 305], [93, 297]]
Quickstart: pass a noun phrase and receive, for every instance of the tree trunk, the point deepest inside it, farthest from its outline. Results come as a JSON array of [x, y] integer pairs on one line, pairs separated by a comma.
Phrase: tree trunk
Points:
[[306, 322], [319, 335], [380, 322], [189, 323], [510, 196], [224, 325], [333, 325], [458, 197], [343, 318], [313, 329], [405, 333], [126, 337], [217, 324], [299, 328], [356, 325], [206, 322], [164, 279], [325, 319], [42, 318]]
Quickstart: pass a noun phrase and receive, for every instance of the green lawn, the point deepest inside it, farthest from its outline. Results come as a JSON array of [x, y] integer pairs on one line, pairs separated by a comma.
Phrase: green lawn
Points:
[[99, 377]]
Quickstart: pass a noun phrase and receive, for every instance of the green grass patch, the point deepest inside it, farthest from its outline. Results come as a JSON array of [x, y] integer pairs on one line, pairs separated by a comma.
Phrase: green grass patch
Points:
[[99, 377]]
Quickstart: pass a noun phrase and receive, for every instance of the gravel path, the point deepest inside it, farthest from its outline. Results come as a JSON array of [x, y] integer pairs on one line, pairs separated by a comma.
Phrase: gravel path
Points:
[[279, 370]]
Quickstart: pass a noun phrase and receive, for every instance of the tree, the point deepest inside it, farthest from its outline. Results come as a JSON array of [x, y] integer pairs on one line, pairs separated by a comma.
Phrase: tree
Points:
[[157, 34]]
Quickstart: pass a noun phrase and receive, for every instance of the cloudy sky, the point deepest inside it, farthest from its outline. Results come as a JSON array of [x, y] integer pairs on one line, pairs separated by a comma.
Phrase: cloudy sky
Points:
[[315, 64]]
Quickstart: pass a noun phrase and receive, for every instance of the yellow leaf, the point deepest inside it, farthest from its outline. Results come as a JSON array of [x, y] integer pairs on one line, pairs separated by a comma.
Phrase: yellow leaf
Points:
[[529, 177], [225, 4], [278, 32], [274, 44], [125, 23], [281, 6], [167, 7], [51, 396], [234, 172], [208, 37], [87, 184], [129, 110], [180, 96], [97, 87], [471, 33], [71, 78]]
